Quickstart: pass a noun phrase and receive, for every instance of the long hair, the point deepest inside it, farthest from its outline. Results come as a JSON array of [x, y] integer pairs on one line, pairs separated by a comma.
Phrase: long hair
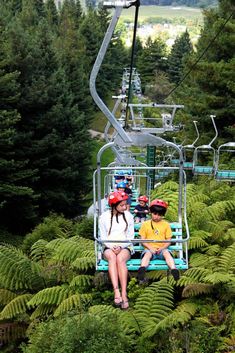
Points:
[[112, 215]]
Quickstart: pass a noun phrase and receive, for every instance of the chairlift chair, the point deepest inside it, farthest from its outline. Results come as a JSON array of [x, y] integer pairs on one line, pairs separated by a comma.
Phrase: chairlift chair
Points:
[[225, 174], [207, 150]]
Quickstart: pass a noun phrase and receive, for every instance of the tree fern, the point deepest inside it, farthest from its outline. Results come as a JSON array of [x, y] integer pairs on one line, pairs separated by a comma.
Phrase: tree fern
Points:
[[219, 228], [219, 210], [179, 316], [17, 306], [197, 239], [6, 296], [81, 281], [197, 274], [39, 251], [153, 305], [42, 310], [219, 278], [194, 289], [75, 301], [198, 260], [227, 260], [49, 296], [17, 270], [85, 263]]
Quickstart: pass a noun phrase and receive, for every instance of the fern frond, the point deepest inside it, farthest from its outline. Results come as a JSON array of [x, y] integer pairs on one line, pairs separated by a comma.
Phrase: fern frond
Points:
[[195, 197], [67, 250], [76, 301], [194, 289], [218, 277], [84, 263], [201, 260], [17, 306], [227, 260], [160, 295], [219, 228], [103, 311], [180, 316], [219, 210], [17, 270], [39, 250], [49, 296], [41, 311], [197, 274], [213, 250], [197, 239], [6, 296], [81, 281]]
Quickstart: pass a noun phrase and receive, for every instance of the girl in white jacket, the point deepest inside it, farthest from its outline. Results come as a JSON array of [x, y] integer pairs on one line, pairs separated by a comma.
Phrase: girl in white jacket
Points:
[[117, 224]]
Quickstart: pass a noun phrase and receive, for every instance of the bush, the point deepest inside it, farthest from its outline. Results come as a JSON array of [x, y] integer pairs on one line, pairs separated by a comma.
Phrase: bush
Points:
[[53, 227], [84, 334]]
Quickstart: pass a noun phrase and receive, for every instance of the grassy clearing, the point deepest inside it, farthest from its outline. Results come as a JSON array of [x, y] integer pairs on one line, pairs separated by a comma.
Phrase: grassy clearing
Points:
[[169, 12]]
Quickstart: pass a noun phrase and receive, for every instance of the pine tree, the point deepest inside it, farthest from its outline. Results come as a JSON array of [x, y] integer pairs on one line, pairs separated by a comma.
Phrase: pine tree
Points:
[[209, 89], [52, 133], [51, 13], [151, 59], [179, 52], [17, 198]]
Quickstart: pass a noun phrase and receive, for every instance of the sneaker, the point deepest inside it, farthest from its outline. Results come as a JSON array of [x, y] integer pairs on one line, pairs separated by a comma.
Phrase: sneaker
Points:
[[175, 273], [141, 274]]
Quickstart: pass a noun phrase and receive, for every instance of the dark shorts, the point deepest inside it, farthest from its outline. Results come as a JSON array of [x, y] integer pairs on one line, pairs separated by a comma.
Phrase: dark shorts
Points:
[[155, 256]]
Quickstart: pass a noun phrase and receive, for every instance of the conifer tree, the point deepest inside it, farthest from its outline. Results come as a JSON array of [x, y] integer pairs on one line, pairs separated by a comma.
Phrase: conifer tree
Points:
[[209, 88], [152, 59], [179, 52], [17, 198], [51, 13], [52, 133]]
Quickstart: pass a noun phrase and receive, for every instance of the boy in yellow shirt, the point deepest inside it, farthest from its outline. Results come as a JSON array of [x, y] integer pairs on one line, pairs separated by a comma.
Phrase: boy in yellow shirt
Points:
[[157, 229]]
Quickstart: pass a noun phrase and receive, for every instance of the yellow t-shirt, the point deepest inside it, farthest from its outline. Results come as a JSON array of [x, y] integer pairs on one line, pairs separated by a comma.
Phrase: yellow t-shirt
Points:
[[157, 231]]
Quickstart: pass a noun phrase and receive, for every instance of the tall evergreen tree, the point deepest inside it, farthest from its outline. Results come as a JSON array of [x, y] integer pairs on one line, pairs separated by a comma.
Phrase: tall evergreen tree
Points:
[[51, 13], [71, 51], [209, 89], [52, 132], [151, 59], [179, 52], [17, 198]]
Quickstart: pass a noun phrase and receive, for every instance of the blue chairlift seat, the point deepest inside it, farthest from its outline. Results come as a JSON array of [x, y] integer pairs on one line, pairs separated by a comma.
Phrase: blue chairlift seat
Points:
[[203, 170], [134, 263], [225, 175], [188, 165]]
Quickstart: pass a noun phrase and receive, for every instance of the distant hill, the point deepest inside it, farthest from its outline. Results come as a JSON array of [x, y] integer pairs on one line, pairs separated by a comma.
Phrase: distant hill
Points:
[[191, 3]]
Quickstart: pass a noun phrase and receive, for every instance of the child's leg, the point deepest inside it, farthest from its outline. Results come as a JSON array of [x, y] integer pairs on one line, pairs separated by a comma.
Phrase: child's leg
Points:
[[146, 258], [169, 259], [171, 264], [144, 264]]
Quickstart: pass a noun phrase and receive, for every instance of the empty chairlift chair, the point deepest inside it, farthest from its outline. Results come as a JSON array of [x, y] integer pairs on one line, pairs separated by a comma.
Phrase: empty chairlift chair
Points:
[[188, 151], [209, 153], [221, 172]]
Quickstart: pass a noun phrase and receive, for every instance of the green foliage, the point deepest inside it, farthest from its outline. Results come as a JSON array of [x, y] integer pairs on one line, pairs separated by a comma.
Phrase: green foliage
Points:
[[84, 228], [86, 334], [52, 227], [179, 52]]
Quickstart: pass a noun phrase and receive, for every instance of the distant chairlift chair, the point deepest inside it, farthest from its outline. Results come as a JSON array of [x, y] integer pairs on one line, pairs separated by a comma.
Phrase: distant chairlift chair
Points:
[[224, 174], [206, 150]]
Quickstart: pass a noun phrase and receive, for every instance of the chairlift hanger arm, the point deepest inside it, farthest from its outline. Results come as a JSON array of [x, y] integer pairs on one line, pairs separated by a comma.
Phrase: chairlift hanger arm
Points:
[[96, 68]]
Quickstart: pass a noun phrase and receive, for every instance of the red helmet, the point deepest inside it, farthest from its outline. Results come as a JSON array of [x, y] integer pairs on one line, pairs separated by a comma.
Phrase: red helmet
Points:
[[117, 196], [143, 198], [159, 202]]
